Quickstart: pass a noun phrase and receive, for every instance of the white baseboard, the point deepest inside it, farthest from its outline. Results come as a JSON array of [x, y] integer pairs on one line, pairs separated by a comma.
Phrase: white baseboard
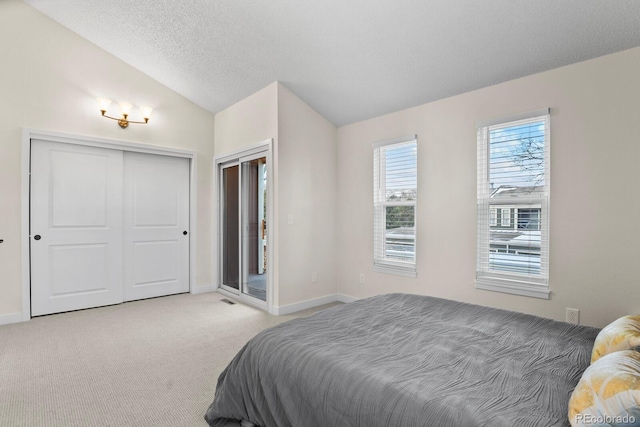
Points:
[[346, 298], [5, 319], [303, 305], [311, 303], [203, 289]]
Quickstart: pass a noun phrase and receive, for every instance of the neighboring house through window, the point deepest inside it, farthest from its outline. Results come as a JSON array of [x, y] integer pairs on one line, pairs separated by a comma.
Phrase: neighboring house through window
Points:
[[395, 191], [513, 205]]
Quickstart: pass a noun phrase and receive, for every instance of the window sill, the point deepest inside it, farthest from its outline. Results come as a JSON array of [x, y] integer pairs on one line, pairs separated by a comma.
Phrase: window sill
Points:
[[396, 271], [513, 287]]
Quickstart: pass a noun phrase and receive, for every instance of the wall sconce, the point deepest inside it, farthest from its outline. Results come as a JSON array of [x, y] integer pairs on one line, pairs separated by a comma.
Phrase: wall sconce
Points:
[[125, 109]]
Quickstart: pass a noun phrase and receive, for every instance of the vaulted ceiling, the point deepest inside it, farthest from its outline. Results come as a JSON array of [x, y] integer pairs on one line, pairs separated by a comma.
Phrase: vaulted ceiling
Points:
[[348, 59]]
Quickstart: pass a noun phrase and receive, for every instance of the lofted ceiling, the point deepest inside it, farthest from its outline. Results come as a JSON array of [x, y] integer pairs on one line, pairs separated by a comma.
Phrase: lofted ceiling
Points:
[[348, 59]]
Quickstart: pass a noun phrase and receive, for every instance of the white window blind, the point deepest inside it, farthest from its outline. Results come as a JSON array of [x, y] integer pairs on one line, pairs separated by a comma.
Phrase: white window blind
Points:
[[395, 194], [513, 181]]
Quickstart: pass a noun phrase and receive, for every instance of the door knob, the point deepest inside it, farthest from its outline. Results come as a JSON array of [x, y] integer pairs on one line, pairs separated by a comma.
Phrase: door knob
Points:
[[37, 237], [184, 232]]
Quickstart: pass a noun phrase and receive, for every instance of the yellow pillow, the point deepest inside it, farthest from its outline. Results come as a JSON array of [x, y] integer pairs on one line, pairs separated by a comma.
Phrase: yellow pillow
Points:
[[622, 334], [608, 392]]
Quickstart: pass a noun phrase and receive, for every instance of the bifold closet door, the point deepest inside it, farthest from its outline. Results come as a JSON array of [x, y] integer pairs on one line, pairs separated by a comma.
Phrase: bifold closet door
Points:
[[76, 227], [156, 225]]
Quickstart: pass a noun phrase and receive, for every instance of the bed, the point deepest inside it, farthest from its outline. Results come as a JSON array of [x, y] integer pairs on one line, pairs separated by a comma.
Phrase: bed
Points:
[[405, 360]]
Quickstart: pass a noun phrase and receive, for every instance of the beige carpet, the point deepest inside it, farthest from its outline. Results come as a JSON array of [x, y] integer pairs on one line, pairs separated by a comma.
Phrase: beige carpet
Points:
[[144, 363]]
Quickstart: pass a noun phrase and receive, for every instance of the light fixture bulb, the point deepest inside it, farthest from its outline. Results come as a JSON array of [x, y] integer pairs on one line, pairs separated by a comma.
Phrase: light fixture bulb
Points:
[[104, 103], [125, 108], [146, 112]]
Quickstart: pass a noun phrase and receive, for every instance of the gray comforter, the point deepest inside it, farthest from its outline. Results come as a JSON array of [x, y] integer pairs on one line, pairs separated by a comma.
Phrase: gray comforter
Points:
[[406, 360]]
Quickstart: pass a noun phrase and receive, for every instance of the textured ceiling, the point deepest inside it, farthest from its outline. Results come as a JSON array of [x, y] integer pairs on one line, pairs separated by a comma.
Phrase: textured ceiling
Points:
[[348, 59]]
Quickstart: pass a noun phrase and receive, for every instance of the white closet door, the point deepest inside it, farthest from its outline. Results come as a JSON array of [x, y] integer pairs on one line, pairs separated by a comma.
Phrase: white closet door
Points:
[[156, 225], [76, 227]]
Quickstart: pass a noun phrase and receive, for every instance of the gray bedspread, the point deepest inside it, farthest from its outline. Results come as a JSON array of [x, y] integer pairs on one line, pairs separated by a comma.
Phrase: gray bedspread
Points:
[[406, 360]]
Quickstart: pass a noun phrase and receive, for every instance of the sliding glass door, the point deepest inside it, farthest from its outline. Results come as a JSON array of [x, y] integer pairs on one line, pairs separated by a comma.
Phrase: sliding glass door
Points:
[[243, 222], [230, 227], [254, 225]]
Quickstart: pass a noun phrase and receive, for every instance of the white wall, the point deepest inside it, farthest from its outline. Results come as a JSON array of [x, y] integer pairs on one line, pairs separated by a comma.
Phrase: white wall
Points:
[[595, 191], [307, 190], [248, 122], [304, 186], [245, 124], [49, 80]]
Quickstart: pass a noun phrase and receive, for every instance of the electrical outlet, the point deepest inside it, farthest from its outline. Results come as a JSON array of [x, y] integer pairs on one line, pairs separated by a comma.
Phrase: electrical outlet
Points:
[[362, 278], [573, 316], [314, 277]]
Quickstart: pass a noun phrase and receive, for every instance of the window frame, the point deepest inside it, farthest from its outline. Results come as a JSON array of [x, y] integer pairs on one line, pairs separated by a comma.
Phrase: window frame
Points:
[[532, 285], [505, 217], [382, 264], [493, 217]]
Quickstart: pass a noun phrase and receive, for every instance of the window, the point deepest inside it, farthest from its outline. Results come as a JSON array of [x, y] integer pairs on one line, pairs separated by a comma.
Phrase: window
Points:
[[529, 219], [493, 219], [394, 206], [505, 215], [513, 205]]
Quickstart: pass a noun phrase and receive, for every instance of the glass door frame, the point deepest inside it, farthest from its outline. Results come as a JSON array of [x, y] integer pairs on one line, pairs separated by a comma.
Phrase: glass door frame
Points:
[[263, 149]]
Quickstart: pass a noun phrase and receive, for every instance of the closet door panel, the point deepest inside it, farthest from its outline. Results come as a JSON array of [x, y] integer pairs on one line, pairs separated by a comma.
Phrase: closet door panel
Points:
[[76, 227], [156, 225]]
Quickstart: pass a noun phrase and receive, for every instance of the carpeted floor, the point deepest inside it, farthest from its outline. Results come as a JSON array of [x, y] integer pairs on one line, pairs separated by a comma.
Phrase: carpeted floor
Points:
[[145, 363]]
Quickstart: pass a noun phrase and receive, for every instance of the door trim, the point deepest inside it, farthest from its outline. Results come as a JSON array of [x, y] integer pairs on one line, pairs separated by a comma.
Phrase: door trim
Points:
[[28, 134], [266, 149]]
